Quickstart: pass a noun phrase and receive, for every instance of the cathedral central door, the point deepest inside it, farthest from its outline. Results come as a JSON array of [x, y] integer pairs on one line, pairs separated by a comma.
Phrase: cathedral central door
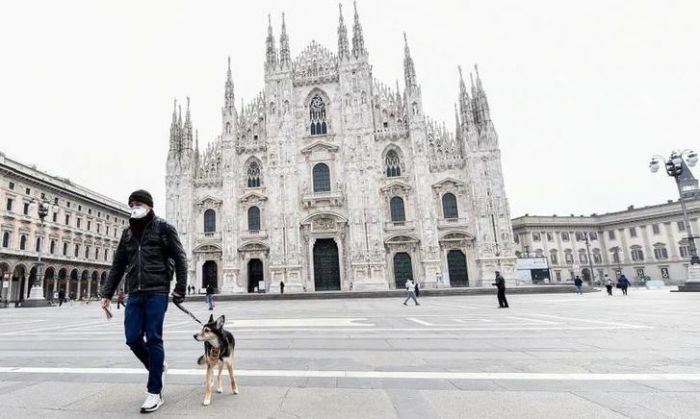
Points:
[[326, 265], [255, 274], [209, 274], [457, 267], [403, 271]]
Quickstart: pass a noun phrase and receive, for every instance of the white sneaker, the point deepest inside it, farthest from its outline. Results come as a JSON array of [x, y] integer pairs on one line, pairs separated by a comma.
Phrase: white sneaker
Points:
[[152, 403]]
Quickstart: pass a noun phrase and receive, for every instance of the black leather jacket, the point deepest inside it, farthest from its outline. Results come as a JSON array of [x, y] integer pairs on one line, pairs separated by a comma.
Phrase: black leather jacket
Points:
[[145, 263]]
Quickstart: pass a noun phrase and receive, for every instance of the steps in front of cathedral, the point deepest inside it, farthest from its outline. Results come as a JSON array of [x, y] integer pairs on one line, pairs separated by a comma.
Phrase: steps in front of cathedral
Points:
[[434, 292]]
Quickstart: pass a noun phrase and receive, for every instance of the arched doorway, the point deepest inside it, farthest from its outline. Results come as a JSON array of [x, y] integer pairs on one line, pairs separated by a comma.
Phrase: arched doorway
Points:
[[84, 284], [49, 276], [72, 289], [255, 274], [326, 265], [586, 275], [30, 282], [18, 278], [62, 281], [403, 269], [210, 275], [457, 267], [93, 284]]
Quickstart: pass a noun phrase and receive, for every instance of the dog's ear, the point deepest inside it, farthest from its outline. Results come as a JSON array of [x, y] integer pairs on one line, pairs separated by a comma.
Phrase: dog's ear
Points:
[[211, 318], [220, 322]]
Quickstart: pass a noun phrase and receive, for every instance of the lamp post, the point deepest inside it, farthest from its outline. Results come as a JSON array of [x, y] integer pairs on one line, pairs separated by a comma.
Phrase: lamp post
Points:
[[36, 294], [677, 166], [616, 249]]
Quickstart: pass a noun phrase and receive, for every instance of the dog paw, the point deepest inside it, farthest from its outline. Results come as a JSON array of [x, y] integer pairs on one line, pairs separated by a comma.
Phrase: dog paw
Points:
[[235, 391], [219, 390], [206, 402]]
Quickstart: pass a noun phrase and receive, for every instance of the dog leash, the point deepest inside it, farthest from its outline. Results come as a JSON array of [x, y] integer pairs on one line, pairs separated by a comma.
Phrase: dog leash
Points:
[[184, 310]]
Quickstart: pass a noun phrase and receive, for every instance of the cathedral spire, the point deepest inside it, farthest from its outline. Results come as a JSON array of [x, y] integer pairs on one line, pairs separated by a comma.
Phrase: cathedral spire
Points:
[[270, 52], [358, 41], [479, 87], [458, 124], [228, 93], [284, 46], [343, 46], [408, 67], [187, 132], [174, 143]]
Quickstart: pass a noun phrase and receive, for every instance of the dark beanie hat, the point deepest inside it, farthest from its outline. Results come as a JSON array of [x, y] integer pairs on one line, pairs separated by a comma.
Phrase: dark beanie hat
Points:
[[141, 196]]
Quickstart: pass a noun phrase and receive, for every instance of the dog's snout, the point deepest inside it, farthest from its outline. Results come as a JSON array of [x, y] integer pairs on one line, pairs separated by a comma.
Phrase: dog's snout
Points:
[[194, 336]]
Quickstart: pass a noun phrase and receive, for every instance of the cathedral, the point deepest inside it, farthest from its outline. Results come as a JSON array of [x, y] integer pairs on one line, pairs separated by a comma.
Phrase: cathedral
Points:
[[331, 180]]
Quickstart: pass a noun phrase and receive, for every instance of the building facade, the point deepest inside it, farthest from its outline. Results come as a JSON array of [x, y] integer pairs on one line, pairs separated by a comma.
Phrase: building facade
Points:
[[330, 180], [77, 239], [649, 242]]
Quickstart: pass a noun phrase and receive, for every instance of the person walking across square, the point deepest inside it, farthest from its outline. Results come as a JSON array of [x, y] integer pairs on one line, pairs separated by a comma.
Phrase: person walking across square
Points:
[[410, 292], [501, 285], [147, 247]]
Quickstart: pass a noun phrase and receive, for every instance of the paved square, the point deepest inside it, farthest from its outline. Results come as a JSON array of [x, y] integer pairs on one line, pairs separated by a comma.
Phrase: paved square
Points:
[[548, 356]]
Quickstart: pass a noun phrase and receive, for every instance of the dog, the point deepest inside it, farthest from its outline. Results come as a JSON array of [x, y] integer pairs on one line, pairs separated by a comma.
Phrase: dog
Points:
[[218, 352]]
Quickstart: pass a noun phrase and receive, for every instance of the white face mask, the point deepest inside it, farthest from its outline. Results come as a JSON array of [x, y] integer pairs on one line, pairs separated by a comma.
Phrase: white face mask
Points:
[[139, 212]]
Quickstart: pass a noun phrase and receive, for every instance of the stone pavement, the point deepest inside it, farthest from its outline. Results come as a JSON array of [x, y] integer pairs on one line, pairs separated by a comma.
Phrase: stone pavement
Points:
[[548, 356]]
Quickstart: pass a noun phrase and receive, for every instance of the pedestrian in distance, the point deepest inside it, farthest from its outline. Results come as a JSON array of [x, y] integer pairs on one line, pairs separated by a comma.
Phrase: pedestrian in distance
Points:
[[608, 284], [152, 251], [623, 283], [417, 289], [281, 287], [210, 296], [120, 299], [410, 292], [61, 297], [579, 283], [501, 285]]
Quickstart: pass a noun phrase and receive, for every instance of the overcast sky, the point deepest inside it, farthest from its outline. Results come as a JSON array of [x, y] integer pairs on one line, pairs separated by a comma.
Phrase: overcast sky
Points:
[[582, 93]]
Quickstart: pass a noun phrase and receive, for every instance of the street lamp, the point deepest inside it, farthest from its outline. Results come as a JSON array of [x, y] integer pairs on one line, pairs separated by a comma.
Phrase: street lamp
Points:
[[677, 166], [36, 294]]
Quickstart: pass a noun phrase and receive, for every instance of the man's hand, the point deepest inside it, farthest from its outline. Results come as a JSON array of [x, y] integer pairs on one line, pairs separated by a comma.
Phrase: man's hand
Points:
[[178, 297], [105, 304]]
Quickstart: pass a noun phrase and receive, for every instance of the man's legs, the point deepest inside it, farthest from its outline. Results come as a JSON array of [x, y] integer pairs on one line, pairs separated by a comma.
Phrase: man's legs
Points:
[[156, 305], [134, 326]]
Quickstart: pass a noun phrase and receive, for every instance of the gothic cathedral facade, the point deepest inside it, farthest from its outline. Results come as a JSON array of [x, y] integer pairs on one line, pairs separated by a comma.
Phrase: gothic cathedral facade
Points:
[[330, 180]]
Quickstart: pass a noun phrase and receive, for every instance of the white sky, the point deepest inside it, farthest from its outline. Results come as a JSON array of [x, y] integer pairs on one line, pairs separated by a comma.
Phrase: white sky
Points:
[[581, 93]]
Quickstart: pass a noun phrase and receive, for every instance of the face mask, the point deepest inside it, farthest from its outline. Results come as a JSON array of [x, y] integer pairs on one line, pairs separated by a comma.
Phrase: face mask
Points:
[[139, 212]]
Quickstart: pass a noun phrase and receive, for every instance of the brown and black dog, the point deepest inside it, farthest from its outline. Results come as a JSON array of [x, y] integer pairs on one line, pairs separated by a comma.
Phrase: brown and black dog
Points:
[[218, 351]]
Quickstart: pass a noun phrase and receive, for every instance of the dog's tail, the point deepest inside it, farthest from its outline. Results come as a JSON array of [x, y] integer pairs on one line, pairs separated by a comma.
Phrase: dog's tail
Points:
[[200, 360]]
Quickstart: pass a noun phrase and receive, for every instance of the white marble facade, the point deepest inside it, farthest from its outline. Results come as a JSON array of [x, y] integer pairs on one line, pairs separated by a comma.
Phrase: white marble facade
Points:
[[329, 179]]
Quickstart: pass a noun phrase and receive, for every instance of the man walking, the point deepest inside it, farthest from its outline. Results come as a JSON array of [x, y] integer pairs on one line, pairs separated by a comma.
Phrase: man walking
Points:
[[608, 284], [578, 283], [501, 285], [281, 287], [623, 283], [410, 292], [146, 247], [210, 296], [61, 297]]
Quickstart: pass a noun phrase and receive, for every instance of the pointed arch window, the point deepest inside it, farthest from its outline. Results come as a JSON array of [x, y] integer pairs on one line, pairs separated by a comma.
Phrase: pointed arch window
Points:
[[209, 221], [321, 178], [317, 116], [254, 175], [398, 213], [228, 128], [254, 219], [393, 164], [449, 206]]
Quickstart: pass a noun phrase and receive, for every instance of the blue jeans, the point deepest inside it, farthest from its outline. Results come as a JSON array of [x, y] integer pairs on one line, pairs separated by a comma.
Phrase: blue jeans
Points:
[[144, 316], [210, 300]]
